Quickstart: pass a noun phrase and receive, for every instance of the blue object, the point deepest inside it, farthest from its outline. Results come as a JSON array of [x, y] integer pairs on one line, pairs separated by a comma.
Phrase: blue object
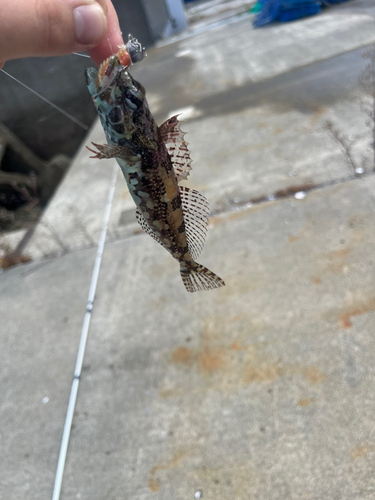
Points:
[[269, 12], [289, 10], [290, 14]]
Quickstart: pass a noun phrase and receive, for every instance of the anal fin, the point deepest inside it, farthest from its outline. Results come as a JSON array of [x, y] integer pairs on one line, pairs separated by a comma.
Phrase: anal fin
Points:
[[145, 226]]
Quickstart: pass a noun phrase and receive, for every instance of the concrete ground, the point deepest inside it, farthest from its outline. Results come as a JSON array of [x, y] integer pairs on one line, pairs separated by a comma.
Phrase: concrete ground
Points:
[[259, 390]]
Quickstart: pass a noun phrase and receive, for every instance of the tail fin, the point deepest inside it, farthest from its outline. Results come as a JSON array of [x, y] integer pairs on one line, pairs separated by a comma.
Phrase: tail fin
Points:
[[200, 278]]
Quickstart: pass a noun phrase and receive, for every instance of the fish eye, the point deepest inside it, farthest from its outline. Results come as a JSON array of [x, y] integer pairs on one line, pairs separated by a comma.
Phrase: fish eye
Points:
[[115, 115]]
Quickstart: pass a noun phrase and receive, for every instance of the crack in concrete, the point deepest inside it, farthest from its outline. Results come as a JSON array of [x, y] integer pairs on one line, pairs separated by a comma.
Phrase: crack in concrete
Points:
[[280, 194], [286, 193]]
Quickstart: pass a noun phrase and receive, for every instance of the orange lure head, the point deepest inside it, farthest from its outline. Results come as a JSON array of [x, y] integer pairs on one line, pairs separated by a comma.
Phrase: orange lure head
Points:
[[128, 54]]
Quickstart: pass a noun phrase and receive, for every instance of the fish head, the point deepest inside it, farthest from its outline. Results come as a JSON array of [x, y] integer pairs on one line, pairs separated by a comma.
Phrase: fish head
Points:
[[122, 107]]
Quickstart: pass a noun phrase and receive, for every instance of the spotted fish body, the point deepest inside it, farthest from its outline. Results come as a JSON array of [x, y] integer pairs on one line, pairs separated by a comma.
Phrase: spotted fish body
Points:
[[153, 160]]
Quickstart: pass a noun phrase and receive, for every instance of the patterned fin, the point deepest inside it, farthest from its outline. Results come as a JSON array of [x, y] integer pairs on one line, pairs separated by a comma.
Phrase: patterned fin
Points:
[[113, 151], [200, 278], [196, 212], [144, 224], [173, 138]]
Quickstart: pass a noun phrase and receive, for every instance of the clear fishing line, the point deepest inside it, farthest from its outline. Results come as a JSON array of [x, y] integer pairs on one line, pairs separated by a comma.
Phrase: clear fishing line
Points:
[[81, 55], [65, 113]]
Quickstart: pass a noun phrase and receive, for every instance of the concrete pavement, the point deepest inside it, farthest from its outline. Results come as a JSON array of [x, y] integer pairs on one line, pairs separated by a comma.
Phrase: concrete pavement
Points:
[[262, 389]]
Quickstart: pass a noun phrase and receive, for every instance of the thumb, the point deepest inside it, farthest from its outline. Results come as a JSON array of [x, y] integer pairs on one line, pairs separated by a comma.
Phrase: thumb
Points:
[[50, 27]]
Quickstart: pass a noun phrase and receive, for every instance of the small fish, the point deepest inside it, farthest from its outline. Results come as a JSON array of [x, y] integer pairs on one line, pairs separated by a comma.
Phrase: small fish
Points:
[[153, 160]]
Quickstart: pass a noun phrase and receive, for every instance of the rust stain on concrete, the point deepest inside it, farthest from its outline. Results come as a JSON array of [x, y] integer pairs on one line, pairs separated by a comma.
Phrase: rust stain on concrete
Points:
[[168, 393], [335, 262], [226, 361], [153, 481], [262, 373], [362, 450], [345, 321], [306, 402], [236, 346], [183, 356], [356, 310], [300, 234], [359, 451], [313, 376], [211, 361]]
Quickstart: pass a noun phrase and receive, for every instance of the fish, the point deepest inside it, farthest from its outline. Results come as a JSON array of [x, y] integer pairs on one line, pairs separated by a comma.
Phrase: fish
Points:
[[153, 160]]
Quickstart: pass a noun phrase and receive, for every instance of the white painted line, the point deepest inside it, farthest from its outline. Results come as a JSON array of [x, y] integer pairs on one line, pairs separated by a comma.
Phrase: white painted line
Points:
[[83, 341]]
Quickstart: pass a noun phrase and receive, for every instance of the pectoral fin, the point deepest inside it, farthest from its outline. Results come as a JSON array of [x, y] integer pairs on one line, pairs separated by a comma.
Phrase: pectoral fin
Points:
[[106, 151], [196, 212]]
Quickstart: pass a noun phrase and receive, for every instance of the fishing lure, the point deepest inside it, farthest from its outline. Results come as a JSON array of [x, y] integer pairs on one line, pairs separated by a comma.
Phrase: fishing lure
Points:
[[153, 160]]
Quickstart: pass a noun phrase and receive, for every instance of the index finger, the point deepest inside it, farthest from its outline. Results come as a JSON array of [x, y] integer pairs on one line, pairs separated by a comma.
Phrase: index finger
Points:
[[109, 44]]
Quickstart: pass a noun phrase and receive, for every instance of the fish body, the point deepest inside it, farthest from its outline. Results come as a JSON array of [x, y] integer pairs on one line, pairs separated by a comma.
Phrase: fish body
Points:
[[153, 160]]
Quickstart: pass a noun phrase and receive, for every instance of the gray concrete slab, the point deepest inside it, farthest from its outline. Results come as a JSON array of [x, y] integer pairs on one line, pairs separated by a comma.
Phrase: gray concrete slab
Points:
[[263, 389]]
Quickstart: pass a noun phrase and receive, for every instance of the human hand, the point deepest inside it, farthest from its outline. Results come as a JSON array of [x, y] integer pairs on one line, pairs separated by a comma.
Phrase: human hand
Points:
[[56, 27]]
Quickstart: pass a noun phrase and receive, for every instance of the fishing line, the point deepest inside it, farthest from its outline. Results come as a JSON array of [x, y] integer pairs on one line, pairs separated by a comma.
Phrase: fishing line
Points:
[[81, 55], [109, 43], [83, 341], [65, 113]]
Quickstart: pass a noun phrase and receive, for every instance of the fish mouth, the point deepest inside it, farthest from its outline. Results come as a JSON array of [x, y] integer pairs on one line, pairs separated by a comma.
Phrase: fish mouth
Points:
[[109, 79], [110, 69]]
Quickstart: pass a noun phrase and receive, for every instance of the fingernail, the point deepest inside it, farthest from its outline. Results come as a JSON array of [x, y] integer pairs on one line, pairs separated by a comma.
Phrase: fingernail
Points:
[[90, 24]]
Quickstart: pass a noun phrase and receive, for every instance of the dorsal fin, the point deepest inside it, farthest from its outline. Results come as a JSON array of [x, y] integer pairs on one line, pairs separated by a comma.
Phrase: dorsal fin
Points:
[[173, 138], [196, 213]]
